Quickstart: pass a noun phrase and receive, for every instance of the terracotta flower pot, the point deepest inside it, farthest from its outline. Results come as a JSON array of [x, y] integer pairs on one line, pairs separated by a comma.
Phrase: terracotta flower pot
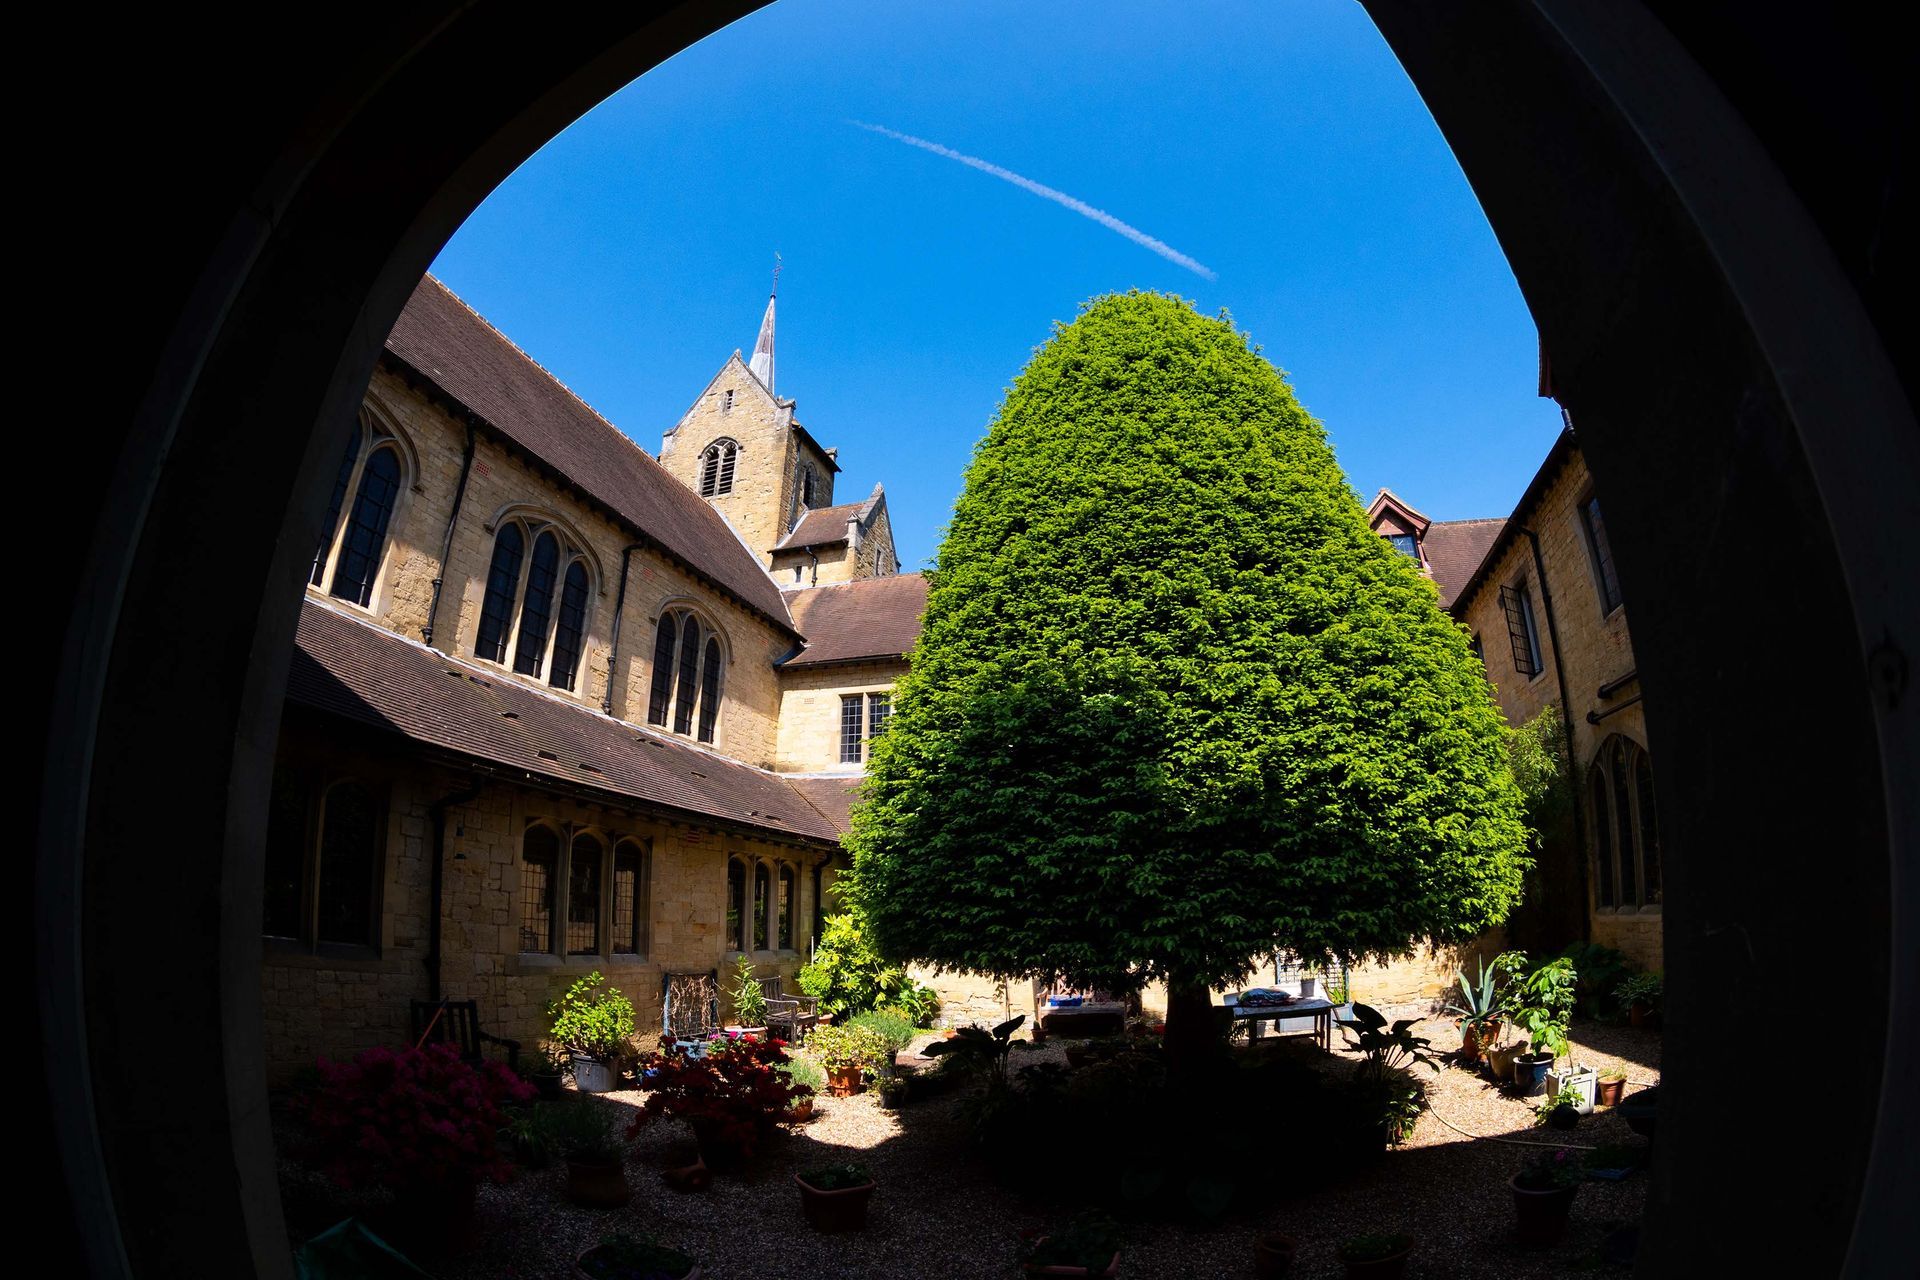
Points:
[[1607, 1092], [1273, 1255], [843, 1081], [1541, 1215], [597, 1184], [1637, 1013], [844, 1209], [1476, 1041], [802, 1111]]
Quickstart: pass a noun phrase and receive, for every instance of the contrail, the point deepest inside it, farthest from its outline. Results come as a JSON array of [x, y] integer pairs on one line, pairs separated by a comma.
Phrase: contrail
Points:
[[1080, 207]]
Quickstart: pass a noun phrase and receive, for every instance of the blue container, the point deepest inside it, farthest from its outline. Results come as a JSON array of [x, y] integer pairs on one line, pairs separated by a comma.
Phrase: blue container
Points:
[[1530, 1077]]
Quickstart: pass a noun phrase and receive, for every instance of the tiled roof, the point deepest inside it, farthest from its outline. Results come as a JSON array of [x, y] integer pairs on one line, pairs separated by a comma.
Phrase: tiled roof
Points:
[[1454, 549], [442, 340], [372, 677], [824, 527], [1564, 450], [833, 795], [868, 618]]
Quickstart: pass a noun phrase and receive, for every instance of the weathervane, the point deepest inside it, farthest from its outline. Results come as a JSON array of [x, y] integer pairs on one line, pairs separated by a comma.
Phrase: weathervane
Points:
[[776, 271]]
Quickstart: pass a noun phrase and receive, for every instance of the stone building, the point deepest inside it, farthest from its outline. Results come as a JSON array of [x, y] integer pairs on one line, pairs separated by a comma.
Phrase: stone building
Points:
[[1539, 595], [550, 711]]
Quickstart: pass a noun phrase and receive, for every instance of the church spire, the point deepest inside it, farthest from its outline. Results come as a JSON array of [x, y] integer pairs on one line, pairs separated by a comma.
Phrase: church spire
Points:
[[762, 363]]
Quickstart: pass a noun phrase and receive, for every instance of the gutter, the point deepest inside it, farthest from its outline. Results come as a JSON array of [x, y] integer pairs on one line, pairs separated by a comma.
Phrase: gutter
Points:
[[619, 612], [446, 543]]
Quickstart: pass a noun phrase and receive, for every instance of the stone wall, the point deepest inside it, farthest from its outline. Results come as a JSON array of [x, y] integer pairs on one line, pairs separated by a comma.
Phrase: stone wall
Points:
[[809, 739], [337, 1004], [736, 407], [1587, 647]]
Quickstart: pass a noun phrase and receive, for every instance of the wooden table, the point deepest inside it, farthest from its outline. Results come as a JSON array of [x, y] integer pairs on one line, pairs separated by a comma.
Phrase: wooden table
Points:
[[1321, 1011]]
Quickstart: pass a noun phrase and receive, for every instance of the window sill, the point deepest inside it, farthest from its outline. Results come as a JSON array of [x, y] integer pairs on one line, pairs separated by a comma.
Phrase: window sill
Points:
[[1651, 910], [299, 955]]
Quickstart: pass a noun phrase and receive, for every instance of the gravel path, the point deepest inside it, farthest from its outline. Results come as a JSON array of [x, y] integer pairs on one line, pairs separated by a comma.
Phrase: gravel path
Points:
[[937, 1214]]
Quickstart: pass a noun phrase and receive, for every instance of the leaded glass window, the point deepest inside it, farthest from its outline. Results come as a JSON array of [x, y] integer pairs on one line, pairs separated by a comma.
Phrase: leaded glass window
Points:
[[584, 865]]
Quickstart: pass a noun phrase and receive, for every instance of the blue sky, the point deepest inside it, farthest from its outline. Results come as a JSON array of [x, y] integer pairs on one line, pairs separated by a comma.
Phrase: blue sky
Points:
[[1275, 141]]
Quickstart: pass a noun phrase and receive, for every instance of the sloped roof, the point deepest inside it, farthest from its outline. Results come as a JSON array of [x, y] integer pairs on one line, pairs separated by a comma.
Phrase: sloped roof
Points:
[[1565, 449], [828, 525], [832, 794], [445, 342], [367, 675], [1454, 549], [863, 620]]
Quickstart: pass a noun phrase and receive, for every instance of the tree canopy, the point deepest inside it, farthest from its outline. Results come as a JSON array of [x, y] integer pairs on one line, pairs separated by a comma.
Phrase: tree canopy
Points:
[[1174, 704]]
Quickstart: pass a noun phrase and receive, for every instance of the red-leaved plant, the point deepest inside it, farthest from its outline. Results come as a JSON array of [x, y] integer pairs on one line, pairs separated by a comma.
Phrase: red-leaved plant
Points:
[[734, 1096], [409, 1118]]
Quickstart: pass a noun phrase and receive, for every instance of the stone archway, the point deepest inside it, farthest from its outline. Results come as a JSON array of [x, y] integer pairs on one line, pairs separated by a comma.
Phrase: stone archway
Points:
[[1718, 359]]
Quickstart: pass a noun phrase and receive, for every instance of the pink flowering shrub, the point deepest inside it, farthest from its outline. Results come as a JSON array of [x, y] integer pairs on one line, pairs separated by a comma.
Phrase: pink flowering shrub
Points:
[[412, 1117], [735, 1095]]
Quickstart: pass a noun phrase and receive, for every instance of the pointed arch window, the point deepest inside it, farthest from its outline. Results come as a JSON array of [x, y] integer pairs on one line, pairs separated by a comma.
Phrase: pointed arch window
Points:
[[1626, 826], [736, 904], [784, 908], [762, 904], [632, 898], [689, 676], [373, 472], [538, 588], [717, 463], [324, 854], [539, 868], [584, 867]]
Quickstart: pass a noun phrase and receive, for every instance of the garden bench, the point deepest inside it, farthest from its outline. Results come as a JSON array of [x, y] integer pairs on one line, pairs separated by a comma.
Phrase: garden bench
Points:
[[789, 1016], [457, 1022]]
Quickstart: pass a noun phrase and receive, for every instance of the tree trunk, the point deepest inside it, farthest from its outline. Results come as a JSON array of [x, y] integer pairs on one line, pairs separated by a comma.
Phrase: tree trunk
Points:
[[1193, 1037]]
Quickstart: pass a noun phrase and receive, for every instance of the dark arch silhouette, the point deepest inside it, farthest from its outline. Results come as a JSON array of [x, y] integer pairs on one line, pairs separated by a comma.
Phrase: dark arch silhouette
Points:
[[1702, 204]]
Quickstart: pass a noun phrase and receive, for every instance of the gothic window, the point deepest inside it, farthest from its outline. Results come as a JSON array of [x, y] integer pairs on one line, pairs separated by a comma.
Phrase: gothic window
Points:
[[536, 602], [689, 673], [736, 904], [584, 866], [539, 871], [762, 892], [324, 857], [373, 471], [784, 908], [1606, 579], [716, 468], [632, 901], [1626, 827], [1517, 602]]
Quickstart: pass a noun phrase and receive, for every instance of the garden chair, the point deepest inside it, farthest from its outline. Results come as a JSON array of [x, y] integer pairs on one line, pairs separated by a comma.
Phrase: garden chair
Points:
[[789, 1017], [689, 1009], [457, 1022]]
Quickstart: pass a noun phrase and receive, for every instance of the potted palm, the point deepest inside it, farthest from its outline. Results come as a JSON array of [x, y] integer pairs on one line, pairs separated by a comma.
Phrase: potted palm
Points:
[[594, 1023], [834, 1197], [1376, 1257], [1543, 1192], [1479, 1010], [588, 1136], [622, 1257]]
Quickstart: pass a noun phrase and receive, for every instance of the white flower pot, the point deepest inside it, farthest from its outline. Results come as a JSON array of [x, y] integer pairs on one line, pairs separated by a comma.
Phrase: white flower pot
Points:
[[1583, 1080], [591, 1075]]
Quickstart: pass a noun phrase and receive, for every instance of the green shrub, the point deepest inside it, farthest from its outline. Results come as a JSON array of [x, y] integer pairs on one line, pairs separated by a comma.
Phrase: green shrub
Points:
[[749, 1001], [895, 1027], [849, 977], [804, 1071], [848, 1046], [592, 1018]]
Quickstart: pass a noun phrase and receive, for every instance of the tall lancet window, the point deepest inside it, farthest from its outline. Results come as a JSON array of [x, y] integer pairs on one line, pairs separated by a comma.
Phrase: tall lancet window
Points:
[[538, 586], [716, 468], [373, 471], [689, 676]]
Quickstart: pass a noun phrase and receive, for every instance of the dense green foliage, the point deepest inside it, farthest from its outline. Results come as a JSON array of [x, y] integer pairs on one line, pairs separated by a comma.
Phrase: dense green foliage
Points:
[[593, 1018], [850, 976], [1174, 704]]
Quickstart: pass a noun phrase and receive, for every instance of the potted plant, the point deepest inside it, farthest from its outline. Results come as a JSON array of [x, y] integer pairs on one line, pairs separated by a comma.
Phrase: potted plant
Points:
[[834, 1197], [1088, 1246], [545, 1071], [1273, 1255], [594, 1023], [1383, 1084], [1540, 1000], [622, 1257], [528, 1135], [1479, 1010], [807, 1073], [1500, 1059], [423, 1122], [1582, 1082], [1543, 1192], [1376, 1257], [1613, 1082], [749, 1001], [733, 1097], [848, 1052], [1642, 1112], [1641, 995], [892, 1090], [587, 1133], [1561, 1109]]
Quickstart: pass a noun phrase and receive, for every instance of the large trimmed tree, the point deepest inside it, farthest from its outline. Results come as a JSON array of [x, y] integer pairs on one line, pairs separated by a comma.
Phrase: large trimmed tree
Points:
[[1174, 704]]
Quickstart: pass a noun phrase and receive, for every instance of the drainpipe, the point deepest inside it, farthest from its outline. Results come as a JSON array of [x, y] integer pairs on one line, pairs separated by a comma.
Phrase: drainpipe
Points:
[[438, 893], [619, 612], [1566, 723], [446, 543]]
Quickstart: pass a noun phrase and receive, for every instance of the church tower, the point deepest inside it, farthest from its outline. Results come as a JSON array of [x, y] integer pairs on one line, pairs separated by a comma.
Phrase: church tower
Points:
[[740, 447]]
